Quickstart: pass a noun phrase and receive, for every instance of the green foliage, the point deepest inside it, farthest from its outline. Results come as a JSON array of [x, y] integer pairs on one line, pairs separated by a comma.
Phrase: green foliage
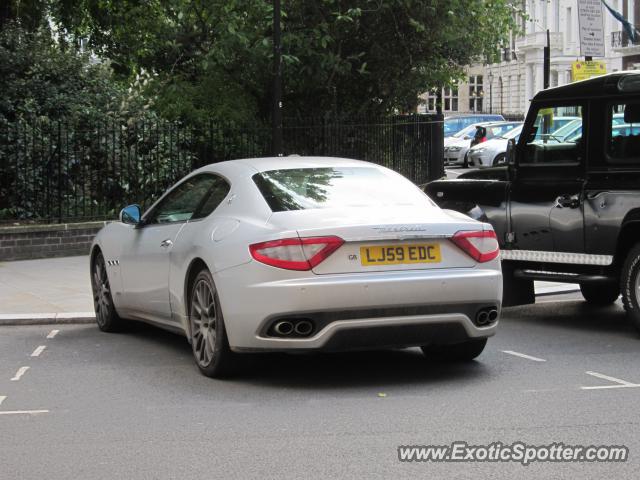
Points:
[[213, 60]]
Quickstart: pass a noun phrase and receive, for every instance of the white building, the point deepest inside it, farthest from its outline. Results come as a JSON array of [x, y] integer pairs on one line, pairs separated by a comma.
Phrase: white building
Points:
[[507, 87]]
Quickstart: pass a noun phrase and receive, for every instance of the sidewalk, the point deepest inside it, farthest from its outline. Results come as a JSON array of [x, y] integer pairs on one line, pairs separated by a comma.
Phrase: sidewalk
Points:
[[53, 290], [57, 290]]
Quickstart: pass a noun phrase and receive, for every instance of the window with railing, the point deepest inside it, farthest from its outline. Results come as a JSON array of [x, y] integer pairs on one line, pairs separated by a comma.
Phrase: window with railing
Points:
[[621, 39]]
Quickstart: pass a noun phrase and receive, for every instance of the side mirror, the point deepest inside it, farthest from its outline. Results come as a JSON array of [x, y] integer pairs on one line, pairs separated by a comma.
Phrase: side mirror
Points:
[[510, 156], [131, 215]]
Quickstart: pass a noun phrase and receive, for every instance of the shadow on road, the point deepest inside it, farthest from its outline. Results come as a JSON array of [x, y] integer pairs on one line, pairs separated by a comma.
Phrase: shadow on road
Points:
[[574, 315], [307, 371]]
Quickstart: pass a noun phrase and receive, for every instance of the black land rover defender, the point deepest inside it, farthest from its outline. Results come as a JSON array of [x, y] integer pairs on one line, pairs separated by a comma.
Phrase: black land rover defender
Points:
[[566, 208]]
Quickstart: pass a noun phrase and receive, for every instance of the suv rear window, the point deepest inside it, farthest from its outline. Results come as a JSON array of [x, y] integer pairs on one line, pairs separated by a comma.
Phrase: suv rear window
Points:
[[336, 187]]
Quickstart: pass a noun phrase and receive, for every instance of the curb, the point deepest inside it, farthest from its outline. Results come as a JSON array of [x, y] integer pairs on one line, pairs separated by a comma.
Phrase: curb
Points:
[[17, 319]]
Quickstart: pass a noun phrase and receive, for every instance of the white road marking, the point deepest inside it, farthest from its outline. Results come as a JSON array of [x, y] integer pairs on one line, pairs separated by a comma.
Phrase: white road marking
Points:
[[523, 355], [23, 412], [21, 371], [38, 351], [2, 398], [53, 333], [620, 383]]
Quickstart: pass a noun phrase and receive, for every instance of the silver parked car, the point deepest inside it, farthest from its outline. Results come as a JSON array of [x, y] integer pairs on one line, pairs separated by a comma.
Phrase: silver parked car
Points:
[[493, 151], [299, 254], [456, 149]]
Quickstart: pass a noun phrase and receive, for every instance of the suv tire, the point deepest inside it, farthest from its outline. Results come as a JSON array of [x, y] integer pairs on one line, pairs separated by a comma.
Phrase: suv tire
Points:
[[630, 285]]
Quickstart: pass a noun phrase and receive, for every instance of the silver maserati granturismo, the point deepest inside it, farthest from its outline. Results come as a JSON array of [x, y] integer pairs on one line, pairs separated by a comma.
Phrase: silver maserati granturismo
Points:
[[299, 254]]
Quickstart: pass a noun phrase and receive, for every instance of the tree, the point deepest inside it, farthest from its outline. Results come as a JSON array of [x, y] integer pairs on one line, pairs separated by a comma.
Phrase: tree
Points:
[[211, 60]]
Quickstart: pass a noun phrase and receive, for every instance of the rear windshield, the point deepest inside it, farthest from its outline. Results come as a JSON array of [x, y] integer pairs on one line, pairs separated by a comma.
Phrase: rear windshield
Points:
[[336, 187]]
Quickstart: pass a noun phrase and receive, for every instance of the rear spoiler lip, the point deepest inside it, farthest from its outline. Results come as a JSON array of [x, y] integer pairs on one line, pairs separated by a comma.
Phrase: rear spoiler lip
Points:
[[382, 238]]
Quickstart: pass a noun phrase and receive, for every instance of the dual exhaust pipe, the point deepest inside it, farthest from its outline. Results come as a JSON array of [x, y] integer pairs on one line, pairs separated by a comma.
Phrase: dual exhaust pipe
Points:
[[285, 328], [486, 316]]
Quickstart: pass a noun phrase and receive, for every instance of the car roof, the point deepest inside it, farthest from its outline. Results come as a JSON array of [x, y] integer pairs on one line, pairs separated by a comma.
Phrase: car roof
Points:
[[609, 84], [472, 115], [256, 165]]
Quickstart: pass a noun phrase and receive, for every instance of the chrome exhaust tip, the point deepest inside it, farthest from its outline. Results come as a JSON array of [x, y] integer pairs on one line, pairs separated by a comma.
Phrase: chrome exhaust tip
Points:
[[493, 315], [482, 318], [283, 328], [304, 327]]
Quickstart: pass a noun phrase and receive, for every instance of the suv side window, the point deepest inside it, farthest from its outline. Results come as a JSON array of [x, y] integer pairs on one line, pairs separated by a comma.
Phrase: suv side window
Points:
[[543, 147], [623, 133], [183, 201]]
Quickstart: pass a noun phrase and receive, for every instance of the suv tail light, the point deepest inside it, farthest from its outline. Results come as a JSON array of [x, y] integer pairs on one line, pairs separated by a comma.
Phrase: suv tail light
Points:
[[295, 253], [482, 246]]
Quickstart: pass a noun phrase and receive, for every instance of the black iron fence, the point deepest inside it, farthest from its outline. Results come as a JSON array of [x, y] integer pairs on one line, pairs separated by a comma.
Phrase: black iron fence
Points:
[[59, 172]]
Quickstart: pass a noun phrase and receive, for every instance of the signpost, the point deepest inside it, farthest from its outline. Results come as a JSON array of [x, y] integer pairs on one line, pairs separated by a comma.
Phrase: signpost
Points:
[[591, 28], [584, 70]]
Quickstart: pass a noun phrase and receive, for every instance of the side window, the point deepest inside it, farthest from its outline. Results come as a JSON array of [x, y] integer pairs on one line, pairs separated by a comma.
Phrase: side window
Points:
[[623, 133], [547, 144], [183, 201], [216, 195]]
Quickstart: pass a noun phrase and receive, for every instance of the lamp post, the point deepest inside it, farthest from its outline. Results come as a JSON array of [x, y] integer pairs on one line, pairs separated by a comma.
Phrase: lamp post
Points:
[[277, 83]]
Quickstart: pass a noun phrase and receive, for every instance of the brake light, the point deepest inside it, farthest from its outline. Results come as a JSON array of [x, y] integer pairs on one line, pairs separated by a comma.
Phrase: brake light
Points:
[[295, 253], [482, 245]]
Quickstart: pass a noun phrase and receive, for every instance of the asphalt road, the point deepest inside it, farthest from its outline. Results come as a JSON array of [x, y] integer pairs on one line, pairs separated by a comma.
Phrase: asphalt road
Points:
[[133, 406]]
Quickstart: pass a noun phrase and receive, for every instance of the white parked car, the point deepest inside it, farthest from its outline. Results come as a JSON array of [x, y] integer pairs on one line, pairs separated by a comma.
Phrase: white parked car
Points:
[[492, 152], [299, 254], [457, 145], [457, 149]]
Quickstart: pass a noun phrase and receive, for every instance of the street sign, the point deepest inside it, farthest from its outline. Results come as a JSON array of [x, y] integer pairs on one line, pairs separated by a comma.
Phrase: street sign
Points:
[[584, 70], [591, 28]]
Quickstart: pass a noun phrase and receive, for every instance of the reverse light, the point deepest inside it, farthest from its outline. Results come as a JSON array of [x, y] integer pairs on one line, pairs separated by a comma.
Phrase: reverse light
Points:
[[295, 253], [481, 245]]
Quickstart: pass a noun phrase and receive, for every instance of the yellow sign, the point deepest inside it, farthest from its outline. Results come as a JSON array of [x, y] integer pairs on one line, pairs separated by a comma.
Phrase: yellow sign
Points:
[[581, 70]]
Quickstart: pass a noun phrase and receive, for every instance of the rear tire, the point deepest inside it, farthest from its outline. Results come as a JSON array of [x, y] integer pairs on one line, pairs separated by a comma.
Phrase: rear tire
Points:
[[600, 293], [630, 285], [209, 342], [499, 160], [460, 352], [106, 316]]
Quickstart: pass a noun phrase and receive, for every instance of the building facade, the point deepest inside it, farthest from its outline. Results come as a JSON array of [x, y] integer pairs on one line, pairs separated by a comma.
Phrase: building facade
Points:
[[507, 86]]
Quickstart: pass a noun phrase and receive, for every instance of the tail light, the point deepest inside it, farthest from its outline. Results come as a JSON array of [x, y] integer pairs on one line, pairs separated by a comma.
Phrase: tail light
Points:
[[482, 246], [295, 253]]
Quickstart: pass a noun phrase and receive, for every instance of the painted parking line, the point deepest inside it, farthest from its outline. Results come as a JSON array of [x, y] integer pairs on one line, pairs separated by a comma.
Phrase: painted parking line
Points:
[[21, 371], [2, 398], [23, 412], [53, 333], [38, 351], [619, 383], [523, 355]]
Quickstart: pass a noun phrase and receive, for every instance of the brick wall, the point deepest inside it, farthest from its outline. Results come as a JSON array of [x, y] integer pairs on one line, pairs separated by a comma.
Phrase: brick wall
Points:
[[42, 241]]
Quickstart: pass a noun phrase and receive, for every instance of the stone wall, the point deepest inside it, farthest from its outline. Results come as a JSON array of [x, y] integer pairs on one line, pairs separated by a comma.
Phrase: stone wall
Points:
[[41, 241]]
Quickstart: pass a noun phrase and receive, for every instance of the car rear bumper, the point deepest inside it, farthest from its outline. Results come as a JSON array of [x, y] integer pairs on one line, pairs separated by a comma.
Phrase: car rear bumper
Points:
[[354, 311]]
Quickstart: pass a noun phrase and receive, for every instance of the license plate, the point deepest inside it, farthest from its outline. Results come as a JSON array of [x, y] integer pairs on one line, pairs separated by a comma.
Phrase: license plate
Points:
[[400, 254]]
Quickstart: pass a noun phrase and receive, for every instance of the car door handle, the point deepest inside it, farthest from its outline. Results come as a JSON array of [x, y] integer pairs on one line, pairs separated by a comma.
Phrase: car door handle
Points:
[[568, 201], [166, 243]]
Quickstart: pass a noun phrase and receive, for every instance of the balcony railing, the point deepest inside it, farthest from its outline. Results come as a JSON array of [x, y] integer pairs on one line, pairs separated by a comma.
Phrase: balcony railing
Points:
[[621, 39]]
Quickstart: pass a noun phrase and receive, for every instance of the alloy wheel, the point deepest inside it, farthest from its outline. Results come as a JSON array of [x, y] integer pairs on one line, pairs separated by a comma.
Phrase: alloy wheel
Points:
[[203, 322], [101, 292]]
